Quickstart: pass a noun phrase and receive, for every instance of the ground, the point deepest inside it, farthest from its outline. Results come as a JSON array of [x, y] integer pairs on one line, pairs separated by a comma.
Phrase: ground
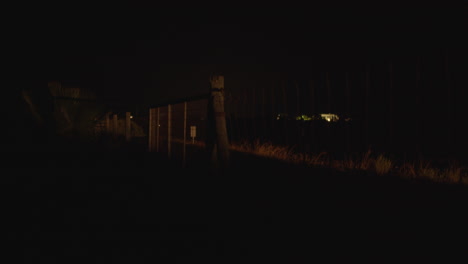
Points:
[[131, 206]]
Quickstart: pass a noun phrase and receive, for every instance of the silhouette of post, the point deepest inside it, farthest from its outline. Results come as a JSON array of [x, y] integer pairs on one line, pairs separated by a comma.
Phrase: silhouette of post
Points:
[[151, 130], [157, 130], [313, 109], [390, 97], [108, 127], [417, 113], [185, 133], [254, 122], [217, 140], [298, 99], [285, 107], [366, 108], [347, 111], [128, 126], [449, 103], [329, 92], [169, 130], [115, 126]]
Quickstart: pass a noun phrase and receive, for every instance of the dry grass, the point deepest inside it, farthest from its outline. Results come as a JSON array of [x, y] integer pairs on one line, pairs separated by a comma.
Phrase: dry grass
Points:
[[453, 174], [383, 165], [408, 170], [321, 159], [426, 171], [348, 164], [366, 162], [379, 164]]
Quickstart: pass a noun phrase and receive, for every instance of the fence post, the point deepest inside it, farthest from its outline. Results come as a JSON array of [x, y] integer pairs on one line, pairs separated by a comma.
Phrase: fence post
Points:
[[450, 101], [366, 108], [108, 129], [329, 92], [115, 126], [391, 109], [285, 107], [185, 131], [219, 146], [128, 126], [150, 129], [157, 131], [347, 108], [169, 129], [254, 123]]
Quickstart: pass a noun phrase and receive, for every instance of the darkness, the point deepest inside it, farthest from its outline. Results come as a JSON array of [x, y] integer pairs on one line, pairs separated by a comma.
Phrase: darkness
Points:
[[131, 51], [145, 54], [126, 206], [138, 55]]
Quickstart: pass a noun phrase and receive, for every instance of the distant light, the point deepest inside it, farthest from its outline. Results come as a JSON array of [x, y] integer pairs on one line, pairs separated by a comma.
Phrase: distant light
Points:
[[281, 116], [304, 118], [330, 117], [131, 117]]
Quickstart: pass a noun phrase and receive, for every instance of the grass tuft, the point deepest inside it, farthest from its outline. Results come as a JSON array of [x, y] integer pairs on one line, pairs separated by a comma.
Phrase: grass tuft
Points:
[[383, 165], [366, 161], [453, 174]]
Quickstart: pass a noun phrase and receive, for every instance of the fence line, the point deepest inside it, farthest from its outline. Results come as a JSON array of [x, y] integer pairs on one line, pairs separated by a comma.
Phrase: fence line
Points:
[[376, 105], [206, 118], [116, 127], [174, 120]]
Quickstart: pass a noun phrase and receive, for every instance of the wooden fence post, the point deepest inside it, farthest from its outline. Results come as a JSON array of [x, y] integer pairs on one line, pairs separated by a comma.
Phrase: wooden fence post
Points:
[[450, 101], [157, 131], [151, 130], [254, 123], [313, 110], [391, 108], [217, 117], [115, 126], [347, 111], [128, 126], [298, 99], [108, 128], [169, 130], [367, 142], [418, 112], [329, 92], [185, 133], [285, 107]]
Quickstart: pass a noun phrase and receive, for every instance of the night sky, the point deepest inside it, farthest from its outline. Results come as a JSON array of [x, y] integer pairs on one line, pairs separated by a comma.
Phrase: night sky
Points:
[[148, 53]]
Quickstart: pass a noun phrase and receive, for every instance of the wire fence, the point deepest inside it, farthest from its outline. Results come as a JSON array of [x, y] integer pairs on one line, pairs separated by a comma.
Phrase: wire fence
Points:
[[183, 123], [391, 108]]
